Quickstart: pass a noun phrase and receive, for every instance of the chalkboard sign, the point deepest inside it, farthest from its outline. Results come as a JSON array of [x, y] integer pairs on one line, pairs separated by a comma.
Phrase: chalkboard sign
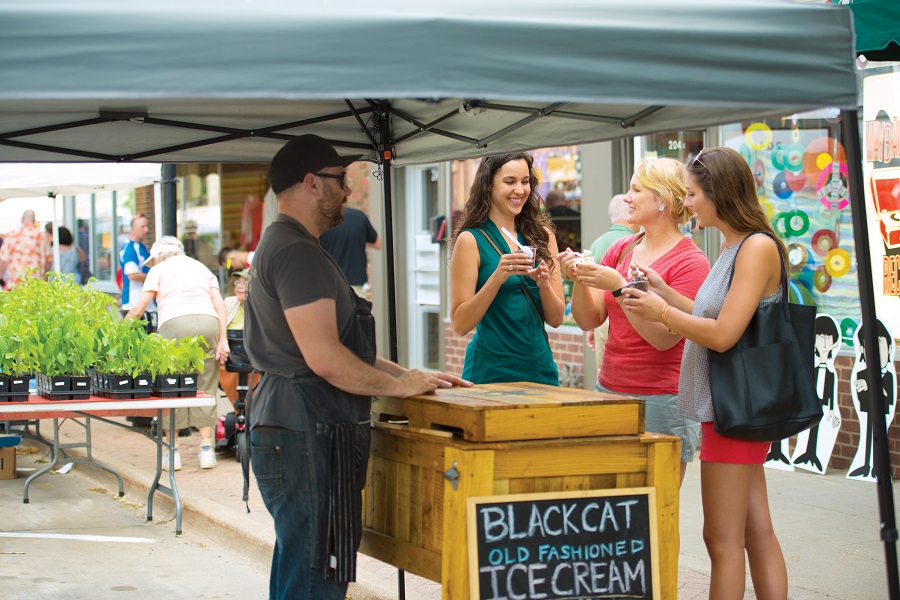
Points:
[[589, 544]]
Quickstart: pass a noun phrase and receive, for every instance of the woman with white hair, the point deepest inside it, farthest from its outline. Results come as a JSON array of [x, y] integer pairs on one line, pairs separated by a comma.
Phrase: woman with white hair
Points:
[[189, 303]]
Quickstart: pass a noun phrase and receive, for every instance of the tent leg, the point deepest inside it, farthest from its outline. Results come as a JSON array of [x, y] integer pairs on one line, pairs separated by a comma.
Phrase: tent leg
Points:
[[384, 148], [882, 455], [169, 201]]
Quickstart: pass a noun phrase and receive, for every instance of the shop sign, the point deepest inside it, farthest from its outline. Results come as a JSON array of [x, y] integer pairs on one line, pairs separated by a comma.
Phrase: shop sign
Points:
[[588, 544], [881, 171]]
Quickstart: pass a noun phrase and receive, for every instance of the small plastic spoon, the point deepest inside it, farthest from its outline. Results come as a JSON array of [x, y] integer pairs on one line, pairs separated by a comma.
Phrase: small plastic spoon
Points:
[[525, 249]]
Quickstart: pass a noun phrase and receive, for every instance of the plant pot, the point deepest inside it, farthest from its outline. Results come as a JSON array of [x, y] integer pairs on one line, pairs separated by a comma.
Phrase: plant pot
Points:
[[81, 387], [18, 388], [114, 385], [189, 384], [142, 386], [167, 386], [4, 387], [55, 387]]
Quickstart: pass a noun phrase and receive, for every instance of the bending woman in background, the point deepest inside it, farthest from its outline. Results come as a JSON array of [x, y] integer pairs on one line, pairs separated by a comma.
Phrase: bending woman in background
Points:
[[736, 519], [643, 359], [498, 290], [187, 295]]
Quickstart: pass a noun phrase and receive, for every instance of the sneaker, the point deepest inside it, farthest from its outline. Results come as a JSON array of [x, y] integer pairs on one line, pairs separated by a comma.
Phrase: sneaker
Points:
[[207, 457], [165, 461]]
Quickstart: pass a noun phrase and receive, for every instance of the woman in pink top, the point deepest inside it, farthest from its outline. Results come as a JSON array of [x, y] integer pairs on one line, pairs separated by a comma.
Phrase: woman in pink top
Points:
[[643, 359], [189, 303]]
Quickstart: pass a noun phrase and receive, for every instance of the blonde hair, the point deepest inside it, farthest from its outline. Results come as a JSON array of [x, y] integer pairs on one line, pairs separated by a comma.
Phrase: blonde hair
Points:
[[665, 177]]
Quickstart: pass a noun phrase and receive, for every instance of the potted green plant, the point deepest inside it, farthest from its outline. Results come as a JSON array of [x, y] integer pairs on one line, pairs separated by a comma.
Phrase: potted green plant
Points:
[[17, 330], [190, 352], [161, 352], [63, 336], [120, 344]]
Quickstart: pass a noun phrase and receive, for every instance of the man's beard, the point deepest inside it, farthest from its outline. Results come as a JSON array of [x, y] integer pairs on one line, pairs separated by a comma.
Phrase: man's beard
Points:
[[331, 214]]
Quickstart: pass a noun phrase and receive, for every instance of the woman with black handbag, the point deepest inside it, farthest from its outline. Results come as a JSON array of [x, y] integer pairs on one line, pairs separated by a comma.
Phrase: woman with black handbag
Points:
[[722, 194]]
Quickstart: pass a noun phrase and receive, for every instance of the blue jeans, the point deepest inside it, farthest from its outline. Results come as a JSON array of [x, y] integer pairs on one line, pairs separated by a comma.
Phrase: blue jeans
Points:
[[290, 475]]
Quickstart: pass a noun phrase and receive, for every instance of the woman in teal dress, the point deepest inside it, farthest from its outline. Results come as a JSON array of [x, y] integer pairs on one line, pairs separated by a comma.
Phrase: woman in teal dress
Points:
[[497, 289]]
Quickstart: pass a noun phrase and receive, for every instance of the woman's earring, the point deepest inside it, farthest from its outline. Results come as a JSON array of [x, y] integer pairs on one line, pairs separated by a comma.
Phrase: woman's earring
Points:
[[661, 208]]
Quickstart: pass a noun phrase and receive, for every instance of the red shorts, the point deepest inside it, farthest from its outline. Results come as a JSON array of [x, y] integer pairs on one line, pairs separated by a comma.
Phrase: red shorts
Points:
[[720, 449]]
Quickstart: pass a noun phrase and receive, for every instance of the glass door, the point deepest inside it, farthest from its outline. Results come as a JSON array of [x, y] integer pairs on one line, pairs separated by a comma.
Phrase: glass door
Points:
[[424, 272]]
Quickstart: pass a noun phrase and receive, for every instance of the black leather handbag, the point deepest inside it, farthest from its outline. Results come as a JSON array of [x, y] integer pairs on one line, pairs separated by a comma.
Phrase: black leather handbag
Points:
[[762, 387]]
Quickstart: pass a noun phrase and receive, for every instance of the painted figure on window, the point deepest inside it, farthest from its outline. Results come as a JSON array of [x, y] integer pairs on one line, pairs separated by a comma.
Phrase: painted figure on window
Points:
[[885, 397], [815, 445]]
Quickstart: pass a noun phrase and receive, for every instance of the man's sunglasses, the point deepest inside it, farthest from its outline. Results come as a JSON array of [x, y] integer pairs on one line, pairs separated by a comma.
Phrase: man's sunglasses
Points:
[[342, 178]]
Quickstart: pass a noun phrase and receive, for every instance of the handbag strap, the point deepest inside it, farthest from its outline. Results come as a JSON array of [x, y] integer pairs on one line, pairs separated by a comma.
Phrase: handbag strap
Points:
[[784, 283], [522, 285], [637, 240]]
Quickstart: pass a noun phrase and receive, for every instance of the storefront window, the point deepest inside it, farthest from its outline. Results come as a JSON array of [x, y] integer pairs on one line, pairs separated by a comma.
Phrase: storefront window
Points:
[[200, 213], [104, 247], [800, 169]]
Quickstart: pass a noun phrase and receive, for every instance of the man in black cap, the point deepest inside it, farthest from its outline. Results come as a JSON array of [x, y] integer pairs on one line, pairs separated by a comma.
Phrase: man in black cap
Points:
[[314, 341]]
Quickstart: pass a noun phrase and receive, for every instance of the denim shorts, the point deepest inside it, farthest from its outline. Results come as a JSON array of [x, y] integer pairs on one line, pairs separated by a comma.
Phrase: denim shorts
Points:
[[662, 417]]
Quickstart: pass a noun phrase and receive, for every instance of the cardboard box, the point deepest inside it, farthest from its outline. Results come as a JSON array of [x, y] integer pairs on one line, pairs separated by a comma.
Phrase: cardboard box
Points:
[[8, 463]]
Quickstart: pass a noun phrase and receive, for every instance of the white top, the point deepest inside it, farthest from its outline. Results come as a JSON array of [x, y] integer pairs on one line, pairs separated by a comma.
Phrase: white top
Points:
[[183, 287], [694, 397]]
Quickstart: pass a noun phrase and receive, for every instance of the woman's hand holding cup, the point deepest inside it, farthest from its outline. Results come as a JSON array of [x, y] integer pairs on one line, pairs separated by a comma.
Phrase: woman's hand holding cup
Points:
[[515, 263]]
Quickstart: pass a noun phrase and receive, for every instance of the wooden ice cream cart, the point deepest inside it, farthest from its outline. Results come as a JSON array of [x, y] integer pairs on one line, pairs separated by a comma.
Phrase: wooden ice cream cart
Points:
[[430, 454]]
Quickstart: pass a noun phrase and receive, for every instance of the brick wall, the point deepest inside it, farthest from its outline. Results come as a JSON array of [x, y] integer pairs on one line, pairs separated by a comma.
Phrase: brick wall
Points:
[[567, 349]]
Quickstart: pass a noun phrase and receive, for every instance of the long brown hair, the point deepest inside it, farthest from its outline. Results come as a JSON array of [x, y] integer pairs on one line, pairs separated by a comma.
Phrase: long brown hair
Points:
[[530, 222], [727, 182]]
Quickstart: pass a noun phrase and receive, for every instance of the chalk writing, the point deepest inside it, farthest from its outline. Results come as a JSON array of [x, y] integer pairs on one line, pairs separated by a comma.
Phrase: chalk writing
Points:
[[596, 545]]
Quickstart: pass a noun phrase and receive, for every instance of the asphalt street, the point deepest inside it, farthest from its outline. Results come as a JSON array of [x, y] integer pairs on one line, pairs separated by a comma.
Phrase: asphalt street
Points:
[[76, 539]]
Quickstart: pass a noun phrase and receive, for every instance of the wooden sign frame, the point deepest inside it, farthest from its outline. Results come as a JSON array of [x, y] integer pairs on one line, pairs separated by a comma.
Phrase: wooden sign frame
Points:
[[473, 503]]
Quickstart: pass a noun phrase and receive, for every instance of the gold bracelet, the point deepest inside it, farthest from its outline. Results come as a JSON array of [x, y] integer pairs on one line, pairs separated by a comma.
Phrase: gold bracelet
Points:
[[662, 318]]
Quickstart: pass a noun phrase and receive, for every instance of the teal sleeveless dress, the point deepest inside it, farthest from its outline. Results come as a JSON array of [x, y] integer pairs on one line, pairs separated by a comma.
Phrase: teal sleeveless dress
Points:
[[510, 343]]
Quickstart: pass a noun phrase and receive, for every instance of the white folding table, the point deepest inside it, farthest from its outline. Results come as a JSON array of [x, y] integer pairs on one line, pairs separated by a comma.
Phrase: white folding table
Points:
[[100, 408]]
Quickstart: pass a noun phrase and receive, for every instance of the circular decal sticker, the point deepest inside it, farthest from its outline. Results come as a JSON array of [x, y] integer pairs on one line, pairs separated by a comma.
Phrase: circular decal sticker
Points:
[[821, 279], [831, 185], [758, 136], [793, 158], [797, 257], [759, 173], [823, 241], [795, 181], [837, 262], [781, 188], [819, 153]]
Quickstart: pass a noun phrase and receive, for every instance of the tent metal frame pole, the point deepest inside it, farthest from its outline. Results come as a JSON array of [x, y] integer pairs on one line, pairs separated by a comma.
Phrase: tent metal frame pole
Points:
[[881, 451], [385, 149], [169, 201]]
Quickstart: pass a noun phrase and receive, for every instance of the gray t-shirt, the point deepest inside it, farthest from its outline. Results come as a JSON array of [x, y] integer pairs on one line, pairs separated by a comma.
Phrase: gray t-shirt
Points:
[[289, 269], [694, 398]]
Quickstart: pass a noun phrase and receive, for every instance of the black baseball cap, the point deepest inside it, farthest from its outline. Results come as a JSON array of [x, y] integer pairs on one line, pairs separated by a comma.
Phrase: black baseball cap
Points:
[[304, 154]]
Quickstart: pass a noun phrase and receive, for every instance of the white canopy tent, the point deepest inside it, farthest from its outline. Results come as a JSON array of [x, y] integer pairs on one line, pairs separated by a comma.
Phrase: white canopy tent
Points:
[[409, 82], [26, 180], [38, 185]]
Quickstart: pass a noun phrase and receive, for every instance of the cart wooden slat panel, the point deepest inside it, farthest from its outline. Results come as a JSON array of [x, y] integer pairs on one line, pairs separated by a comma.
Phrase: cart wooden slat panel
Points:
[[517, 411], [422, 528]]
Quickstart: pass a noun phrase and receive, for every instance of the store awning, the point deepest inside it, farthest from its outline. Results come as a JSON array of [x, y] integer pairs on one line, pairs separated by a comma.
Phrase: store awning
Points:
[[877, 25]]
